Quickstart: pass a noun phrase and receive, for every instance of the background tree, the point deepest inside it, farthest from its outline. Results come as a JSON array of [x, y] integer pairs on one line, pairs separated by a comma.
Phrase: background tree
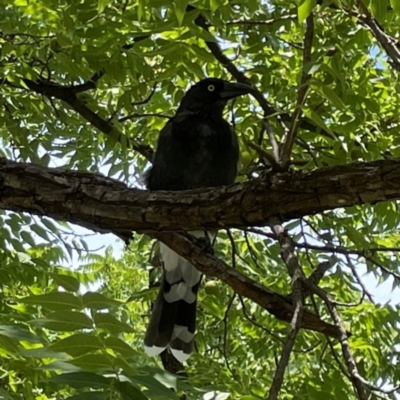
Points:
[[87, 85]]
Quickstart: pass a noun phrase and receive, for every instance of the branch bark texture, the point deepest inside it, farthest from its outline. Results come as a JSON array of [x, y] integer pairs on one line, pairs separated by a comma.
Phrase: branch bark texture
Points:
[[106, 205]]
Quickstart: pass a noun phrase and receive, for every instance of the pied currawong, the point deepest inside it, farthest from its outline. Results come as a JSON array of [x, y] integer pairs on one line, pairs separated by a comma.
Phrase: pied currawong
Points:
[[197, 148]]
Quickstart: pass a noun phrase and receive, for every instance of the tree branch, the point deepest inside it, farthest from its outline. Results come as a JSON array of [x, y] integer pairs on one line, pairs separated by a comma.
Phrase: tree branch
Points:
[[357, 380], [107, 205], [84, 198], [302, 95], [290, 258], [269, 110], [389, 44], [274, 303], [68, 94]]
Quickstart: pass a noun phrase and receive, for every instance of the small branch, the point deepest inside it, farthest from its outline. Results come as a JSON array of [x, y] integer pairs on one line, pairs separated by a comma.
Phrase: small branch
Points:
[[263, 154], [367, 254], [144, 115], [255, 323], [287, 350], [269, 110], [233, 245], [389, 44], [358, 381], [289, 256], [274, 144], [148, 98], [358, 279], [316, 277], [225, 321], [89, 85], [302, 94], [240, 76], [241, 284], [68, 95], [319, 272]]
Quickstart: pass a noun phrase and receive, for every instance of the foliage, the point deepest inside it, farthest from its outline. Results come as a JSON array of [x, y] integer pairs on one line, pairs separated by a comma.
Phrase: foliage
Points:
[[76, 333]]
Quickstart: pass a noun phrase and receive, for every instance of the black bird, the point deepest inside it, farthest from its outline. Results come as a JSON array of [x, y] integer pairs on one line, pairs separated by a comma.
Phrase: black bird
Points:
[[196, 148]]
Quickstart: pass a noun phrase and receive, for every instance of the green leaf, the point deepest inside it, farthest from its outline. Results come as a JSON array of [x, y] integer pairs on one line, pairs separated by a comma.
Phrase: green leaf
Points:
[[119, 346], [129, 391], [94, 361], [396, 6], [65, 321], [98, 395], [305, 9], [16, 244], [78, 344], [20, 334], [333, 97], [317, 119], [4, 395], [8, 344], [40, 231], [50, 225], [215, 4], [101, 5], [66, 281], [82, 379], [180, 10], [156, 388], [54, 301], [379, 9], [27, 237], [110, 323], [98, 301]]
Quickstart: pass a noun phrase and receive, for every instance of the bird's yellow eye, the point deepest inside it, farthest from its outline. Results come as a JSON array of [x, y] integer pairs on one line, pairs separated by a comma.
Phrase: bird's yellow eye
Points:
[[211, 88]]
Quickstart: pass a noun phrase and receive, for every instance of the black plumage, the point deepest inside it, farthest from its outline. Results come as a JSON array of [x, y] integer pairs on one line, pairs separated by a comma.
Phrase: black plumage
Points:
[[196, 148]]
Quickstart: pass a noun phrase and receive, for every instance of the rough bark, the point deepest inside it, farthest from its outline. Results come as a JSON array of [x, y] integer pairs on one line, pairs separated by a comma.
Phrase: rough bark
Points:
[[106, 205]]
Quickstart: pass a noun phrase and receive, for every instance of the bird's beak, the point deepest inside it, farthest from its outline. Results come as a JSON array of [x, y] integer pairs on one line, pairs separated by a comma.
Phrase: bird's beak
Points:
[[232, 90]]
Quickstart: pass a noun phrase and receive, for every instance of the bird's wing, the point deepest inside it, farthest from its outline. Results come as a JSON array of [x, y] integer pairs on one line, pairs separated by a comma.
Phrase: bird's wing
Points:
[[169, 161]]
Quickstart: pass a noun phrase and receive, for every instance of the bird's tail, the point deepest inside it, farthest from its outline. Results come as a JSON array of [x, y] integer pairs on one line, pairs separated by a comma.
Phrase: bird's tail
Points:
[[173, 319]]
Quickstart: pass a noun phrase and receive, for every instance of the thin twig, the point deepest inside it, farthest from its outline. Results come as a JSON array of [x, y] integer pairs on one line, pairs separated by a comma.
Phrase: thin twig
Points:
[[255, 323], [148, 98], [302, 94], [263, 154], [358, 279], [358, 381], [225, 321], [367, 254], [144, 115]]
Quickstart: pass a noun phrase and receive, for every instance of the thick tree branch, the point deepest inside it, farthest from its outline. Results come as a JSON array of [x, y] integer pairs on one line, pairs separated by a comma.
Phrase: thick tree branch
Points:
[[67, 194], [106, 205]]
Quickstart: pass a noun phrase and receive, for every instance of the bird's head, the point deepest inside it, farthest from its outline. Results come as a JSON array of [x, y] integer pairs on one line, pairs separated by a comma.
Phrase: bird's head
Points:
[[211, 95]]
